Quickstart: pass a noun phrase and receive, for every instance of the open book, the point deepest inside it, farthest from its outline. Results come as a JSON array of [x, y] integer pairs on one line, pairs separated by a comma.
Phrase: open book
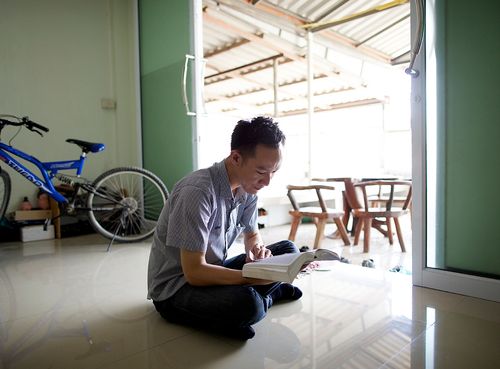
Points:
[[284, 268]]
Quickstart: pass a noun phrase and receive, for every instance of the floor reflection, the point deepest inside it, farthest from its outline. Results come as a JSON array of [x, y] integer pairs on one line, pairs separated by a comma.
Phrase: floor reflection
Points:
[[69, 304]]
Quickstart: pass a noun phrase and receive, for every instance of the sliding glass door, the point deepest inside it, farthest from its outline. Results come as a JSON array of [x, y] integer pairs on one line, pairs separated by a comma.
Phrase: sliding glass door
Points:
[[456, 150], [170, 77]]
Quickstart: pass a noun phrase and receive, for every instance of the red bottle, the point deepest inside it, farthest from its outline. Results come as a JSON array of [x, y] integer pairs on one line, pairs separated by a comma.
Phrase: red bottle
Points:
[[25, 205]]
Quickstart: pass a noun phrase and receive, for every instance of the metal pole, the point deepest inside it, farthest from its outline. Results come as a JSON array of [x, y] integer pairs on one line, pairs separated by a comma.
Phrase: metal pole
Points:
[[275, 86], [310, 102]]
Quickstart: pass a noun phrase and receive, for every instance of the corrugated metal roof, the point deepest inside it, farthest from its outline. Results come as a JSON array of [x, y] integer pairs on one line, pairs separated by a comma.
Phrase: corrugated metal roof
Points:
[[241, 40]]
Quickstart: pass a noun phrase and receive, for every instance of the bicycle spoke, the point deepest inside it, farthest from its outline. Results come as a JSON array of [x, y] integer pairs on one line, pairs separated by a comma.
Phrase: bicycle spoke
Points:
[[139, 198]]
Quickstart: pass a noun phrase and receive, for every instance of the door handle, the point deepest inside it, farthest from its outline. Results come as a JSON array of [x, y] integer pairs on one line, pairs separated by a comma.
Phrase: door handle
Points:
[[184, 85], [417, 44]]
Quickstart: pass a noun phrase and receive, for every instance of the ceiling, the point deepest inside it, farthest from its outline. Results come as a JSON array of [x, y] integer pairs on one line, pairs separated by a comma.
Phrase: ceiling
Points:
[[256, 50]]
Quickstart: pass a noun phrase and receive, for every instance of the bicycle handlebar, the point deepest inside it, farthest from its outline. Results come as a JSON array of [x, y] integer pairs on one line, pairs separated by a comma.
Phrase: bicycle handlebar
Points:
[[25, 121], [32, 125]]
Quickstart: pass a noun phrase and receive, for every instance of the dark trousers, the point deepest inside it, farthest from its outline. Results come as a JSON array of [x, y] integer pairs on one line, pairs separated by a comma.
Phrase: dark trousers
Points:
[[225, 307]]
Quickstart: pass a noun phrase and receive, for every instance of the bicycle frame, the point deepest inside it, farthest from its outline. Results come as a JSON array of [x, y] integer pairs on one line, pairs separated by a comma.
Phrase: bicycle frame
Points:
[[48, 170]]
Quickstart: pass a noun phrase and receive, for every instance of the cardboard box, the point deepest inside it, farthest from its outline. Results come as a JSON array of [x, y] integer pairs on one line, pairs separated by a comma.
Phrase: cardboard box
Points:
[[32, 214], [36, 233]]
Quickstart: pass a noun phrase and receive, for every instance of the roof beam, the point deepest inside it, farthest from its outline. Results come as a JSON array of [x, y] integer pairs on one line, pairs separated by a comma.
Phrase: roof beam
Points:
[[382, 30], [226, 47], [315, 27], [330, 10], [248, 92], [276, 15], [315, 94], [280, 12], [401, 59], [269, 42], [236, 103], [248, 35], [333, 107], [265, 86], [350, 45], [249, 65]]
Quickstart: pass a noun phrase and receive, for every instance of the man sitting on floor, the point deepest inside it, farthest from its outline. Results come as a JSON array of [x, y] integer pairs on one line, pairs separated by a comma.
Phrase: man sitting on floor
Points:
[[190, 279]]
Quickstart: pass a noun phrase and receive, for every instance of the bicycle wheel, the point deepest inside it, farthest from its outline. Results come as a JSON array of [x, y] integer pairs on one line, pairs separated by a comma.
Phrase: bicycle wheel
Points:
[[4, 192], [125, 203]]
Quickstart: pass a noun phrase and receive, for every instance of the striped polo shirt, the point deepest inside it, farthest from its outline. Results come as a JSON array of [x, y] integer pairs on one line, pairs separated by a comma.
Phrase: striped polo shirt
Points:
[[201, 214]]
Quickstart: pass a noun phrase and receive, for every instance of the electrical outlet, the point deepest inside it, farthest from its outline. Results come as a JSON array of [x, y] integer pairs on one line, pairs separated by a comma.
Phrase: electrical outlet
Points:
[[108, 103]]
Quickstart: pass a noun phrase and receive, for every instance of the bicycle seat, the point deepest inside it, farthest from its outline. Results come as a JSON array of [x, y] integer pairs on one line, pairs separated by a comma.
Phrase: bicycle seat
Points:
[[87, 146]]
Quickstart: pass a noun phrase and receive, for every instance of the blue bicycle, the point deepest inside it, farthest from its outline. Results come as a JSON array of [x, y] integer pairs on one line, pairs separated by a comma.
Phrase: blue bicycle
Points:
[[122, 204]]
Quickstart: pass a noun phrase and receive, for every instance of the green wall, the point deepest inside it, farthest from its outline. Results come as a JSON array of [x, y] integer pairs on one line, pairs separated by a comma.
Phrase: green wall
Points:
[[471, 110], [164, 37]]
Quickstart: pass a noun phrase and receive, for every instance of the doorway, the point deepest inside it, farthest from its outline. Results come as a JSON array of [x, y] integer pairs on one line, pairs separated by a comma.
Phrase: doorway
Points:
[[265, 57]]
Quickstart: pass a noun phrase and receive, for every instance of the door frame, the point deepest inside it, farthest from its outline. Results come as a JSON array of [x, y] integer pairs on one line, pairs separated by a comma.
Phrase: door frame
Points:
[[197, 74], [465, 284]]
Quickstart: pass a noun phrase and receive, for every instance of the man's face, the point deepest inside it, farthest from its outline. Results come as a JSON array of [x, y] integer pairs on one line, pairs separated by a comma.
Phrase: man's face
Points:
[[256, 172]]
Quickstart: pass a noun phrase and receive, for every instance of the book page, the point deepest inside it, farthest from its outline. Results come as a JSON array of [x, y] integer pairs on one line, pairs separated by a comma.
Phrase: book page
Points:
[[285, 267], [280, 274], [282, 260]]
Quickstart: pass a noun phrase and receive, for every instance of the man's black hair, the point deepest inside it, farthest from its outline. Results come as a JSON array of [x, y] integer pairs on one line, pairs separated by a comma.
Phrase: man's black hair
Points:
[[260, 130]]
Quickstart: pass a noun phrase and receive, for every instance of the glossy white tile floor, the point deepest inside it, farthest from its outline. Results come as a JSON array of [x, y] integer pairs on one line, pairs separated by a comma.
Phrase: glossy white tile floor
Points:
[[68, 304]]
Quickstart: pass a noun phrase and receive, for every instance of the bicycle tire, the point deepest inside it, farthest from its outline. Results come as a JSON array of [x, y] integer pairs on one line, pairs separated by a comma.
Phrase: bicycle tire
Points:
[[125, 203], [5, 188]]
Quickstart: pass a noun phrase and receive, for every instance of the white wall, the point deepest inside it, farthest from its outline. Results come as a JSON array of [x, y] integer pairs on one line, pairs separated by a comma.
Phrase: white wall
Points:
[[58, 59]]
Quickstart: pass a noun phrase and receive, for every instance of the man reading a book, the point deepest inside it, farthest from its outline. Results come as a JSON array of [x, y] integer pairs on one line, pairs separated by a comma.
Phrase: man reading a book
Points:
[[190, 279]]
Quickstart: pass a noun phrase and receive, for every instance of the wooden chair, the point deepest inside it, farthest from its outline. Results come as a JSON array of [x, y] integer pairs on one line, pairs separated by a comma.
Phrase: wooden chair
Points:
[[351, 201], [386, 209], [320, 214]]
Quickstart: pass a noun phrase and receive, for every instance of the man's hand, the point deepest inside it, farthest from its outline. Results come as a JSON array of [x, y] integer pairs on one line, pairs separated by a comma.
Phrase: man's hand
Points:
[[199, 273], [258, 252]]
